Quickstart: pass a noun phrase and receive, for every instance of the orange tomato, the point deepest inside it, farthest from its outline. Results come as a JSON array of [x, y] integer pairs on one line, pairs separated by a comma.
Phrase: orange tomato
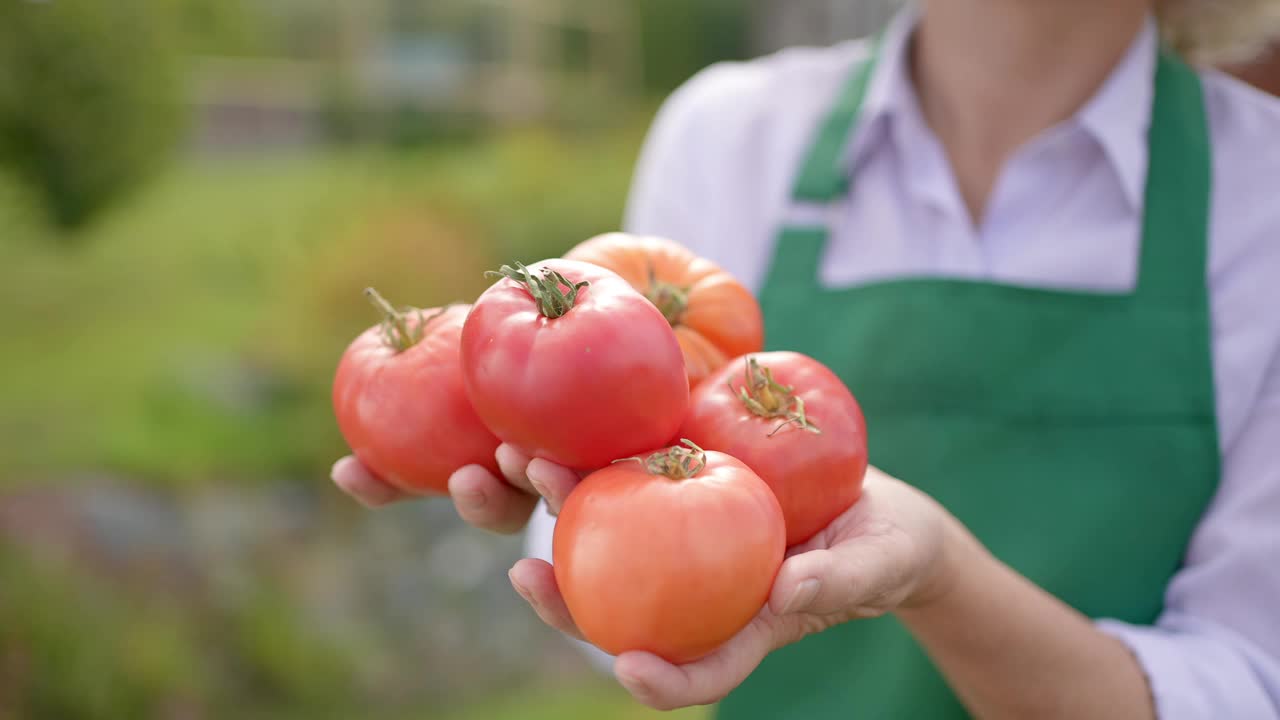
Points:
[[714, 316], [673, 554]]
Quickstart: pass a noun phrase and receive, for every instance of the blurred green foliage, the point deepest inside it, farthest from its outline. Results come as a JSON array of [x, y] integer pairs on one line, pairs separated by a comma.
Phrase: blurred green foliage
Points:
[[194, 334], [679, 37], [92, 100], [71, 646], [89, 98], [176, 326]]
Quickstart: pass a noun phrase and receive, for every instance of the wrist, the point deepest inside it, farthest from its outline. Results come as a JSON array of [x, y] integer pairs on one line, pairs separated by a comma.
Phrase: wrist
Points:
[[957, 556]]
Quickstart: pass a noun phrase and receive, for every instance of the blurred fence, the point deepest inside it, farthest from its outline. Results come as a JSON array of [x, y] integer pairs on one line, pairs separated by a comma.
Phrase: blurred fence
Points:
[[782, 23]]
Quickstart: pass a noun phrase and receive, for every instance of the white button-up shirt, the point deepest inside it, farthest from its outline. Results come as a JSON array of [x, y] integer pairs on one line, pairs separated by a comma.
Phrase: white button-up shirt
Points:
[[1066, 212]]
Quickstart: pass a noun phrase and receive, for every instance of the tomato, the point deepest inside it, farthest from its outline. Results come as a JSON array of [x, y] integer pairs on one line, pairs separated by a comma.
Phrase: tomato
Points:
[[566, 362], [715, 318], [400, 401], [791, 420], [673, 554]]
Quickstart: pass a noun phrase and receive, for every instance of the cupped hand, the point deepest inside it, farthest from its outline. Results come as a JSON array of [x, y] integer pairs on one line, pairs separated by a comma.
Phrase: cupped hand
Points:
[[498, 503], [888, 552]]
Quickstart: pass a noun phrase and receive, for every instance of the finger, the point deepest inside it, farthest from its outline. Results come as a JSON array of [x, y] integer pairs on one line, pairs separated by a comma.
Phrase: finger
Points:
[[553, 482], [485, 501], [535, 581], [354, 479], [853, 577], [663, 686], [514, 465]]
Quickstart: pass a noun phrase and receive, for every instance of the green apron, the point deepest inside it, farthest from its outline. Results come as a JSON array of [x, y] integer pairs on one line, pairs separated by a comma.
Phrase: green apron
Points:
[[1074, 433]]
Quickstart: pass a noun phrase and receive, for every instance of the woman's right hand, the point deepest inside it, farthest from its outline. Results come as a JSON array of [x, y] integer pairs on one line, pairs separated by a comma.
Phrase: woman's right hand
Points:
[[498, 504]]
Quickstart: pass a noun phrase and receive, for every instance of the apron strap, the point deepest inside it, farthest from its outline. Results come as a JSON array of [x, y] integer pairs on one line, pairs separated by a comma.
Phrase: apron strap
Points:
[[1175, 229], [822, 177], [1173, 261]]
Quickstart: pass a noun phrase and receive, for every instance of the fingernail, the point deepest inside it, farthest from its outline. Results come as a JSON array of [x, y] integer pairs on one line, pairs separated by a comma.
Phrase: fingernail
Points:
[[538, 487], [635, 685], [524, 592], [337, 467], [804, 594]]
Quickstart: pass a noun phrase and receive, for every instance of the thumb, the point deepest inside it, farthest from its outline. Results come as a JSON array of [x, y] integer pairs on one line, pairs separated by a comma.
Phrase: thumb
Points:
[[826, 582]]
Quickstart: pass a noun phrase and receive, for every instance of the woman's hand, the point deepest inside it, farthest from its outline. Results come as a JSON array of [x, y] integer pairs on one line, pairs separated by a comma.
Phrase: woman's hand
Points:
[[498, 504], [888, 552]]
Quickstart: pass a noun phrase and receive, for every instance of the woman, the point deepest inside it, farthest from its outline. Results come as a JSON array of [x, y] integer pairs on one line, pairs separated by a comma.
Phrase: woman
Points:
[[1043, 252]]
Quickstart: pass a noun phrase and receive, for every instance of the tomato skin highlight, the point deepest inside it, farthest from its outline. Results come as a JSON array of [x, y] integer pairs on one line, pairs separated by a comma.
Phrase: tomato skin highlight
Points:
[[816, 476], [715, 317], [406, 415], [671, 567], [603, 381]]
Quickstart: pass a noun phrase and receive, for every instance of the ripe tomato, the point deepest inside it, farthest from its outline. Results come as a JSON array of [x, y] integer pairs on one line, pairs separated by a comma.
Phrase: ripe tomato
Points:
[[791, 420], [566, 362], [401, 404], [673, 554], [715, 317]]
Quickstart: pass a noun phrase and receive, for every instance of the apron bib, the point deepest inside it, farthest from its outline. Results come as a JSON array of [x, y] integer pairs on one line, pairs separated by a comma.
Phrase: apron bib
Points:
[[1073, 433]]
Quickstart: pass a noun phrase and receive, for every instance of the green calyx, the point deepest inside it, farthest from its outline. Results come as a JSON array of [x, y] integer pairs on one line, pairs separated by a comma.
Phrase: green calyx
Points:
[[553, 292], [767, 398], [677, 463], [671, 301], [401, 329]]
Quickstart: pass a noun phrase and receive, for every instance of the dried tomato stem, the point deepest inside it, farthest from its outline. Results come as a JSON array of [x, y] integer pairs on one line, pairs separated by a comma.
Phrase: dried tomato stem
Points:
[[548, 289], [398, 332], [671, 300], [677, 463], [768, 398]]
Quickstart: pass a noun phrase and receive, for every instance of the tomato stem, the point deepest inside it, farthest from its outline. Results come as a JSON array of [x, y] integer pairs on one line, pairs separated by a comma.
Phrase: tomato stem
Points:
[[671, 300], [768, 398], [677, 463], [398, 332], [547, 289]]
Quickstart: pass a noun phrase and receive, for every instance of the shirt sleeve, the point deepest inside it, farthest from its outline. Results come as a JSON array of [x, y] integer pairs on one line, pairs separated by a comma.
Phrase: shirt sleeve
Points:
[[1215, 651], [668, 189]]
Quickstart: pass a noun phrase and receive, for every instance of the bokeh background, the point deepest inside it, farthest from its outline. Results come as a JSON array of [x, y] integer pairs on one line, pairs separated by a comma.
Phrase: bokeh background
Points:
[[193, 194]]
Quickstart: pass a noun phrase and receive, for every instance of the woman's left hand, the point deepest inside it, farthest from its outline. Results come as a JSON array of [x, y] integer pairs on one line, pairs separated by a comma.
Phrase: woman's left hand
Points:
[[888, 552]]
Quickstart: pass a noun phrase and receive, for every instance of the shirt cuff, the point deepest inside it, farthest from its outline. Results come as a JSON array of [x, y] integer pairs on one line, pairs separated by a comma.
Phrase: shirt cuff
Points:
[[1200, 673]]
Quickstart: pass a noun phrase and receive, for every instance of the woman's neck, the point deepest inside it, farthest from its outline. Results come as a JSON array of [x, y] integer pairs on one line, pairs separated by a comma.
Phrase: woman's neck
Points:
[[992, 74]]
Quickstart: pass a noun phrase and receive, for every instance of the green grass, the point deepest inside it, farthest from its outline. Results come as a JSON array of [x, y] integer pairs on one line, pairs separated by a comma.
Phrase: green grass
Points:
[[192, 334]]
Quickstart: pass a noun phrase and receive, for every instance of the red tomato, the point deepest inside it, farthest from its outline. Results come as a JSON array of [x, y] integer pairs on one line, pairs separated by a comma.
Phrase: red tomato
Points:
[[672, 555], [791, 420], [400, 401], [566, 362]]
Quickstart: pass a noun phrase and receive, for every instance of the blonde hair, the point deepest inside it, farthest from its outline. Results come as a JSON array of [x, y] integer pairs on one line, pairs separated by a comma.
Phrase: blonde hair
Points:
[[1220, 31]]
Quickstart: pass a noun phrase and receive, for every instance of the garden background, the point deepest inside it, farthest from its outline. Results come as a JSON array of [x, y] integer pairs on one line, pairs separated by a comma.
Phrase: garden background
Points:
[[193, 193]]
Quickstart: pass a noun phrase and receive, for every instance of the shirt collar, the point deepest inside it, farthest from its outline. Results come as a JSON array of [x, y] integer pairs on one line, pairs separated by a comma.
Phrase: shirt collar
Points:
[[1117, 117], [889, 86]]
